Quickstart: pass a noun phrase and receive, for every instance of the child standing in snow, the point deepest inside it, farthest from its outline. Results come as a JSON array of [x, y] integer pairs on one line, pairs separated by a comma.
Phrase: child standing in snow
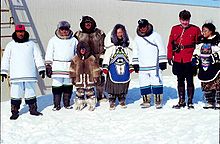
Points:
[[21, 58], [116, 66], [206, 59], [85, 74]]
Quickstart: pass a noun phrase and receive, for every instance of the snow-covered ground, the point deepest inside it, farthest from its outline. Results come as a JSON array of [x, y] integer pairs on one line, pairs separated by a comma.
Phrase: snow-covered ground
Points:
[[121, 126]]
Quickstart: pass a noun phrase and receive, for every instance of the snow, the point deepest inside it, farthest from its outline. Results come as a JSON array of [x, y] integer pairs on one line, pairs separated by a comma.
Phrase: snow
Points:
[[120, 126]]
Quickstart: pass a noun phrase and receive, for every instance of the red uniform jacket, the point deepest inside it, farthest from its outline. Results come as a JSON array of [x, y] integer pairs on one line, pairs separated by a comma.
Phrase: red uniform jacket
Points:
[[187, 41]]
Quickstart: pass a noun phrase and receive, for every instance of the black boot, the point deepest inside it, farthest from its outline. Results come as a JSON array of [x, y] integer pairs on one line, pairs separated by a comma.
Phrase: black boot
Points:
[[181, 103], [190, 93], [15, 106], [33, 109], [210, 99], [121, 99], [57, 93], [32, 103], [217, 96], [67, 93]]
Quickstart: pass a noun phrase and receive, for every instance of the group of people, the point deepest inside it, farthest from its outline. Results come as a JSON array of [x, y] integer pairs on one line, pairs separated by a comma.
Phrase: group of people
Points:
[[96, 63]]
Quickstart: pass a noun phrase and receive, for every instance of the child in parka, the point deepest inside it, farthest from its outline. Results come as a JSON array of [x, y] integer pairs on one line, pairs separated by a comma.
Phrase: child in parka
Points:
[[85, 74]]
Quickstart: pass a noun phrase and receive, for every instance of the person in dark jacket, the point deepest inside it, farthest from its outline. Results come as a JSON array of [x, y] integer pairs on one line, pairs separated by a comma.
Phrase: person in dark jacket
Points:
[[206, 59], [95, 38], [181, 45]]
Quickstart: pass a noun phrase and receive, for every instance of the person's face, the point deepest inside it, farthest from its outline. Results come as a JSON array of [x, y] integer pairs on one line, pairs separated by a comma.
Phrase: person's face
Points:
[[88, 25], [120, 33], [184, 23], [206, 32], [64, 31], [82, 51], [20, 34], [143, 29]]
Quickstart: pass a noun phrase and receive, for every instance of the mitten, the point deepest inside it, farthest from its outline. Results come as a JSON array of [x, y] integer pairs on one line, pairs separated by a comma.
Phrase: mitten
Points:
[[48, 70], [195, 60], [105, 71], [163, 65], [4, 76], [136, 68], [42, 73]]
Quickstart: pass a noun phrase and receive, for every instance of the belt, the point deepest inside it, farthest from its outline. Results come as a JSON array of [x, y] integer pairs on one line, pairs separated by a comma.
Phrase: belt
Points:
[[186, 46]]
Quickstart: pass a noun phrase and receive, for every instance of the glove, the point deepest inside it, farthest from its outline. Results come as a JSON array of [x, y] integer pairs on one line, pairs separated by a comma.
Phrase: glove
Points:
[[48, 70], [4, 76], [214, 58], [195, 60], [105, 71], [163, 65], [170, 61], [136, 68], [42, 73]]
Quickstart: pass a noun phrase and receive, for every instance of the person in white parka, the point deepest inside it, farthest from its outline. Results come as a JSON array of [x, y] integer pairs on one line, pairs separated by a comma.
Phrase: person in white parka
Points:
[[60, 51], [20, 60], [149, 59]]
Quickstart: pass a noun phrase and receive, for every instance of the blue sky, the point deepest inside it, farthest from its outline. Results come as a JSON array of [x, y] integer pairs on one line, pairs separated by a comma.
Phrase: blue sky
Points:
[[206, 3]]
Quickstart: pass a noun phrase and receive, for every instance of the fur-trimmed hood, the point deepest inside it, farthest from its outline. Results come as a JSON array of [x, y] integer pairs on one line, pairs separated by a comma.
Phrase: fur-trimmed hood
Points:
[[64, 37], [88, 19], [25, 39], [81, 45], [149, 31], [119, 42]]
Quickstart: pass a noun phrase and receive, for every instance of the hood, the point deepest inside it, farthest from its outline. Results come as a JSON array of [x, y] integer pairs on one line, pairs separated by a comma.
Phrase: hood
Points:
[[25, 39], [64, 37], [124, 42], [88, 19], [85, 45], [147, 33]]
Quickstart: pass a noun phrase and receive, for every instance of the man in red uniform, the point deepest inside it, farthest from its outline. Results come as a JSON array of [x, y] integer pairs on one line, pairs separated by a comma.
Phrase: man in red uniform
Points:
[[181, 45]]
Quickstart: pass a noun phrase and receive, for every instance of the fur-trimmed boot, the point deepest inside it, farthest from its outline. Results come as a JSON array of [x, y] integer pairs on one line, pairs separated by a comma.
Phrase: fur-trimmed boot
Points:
[[15, 106], [91, 103], [122, 99], [57, 93], [210, 99], [67, 93], [112, 99], [217, 96], [32, 103], [181, 103], [190, 93], [158, 100], [146, 101]]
